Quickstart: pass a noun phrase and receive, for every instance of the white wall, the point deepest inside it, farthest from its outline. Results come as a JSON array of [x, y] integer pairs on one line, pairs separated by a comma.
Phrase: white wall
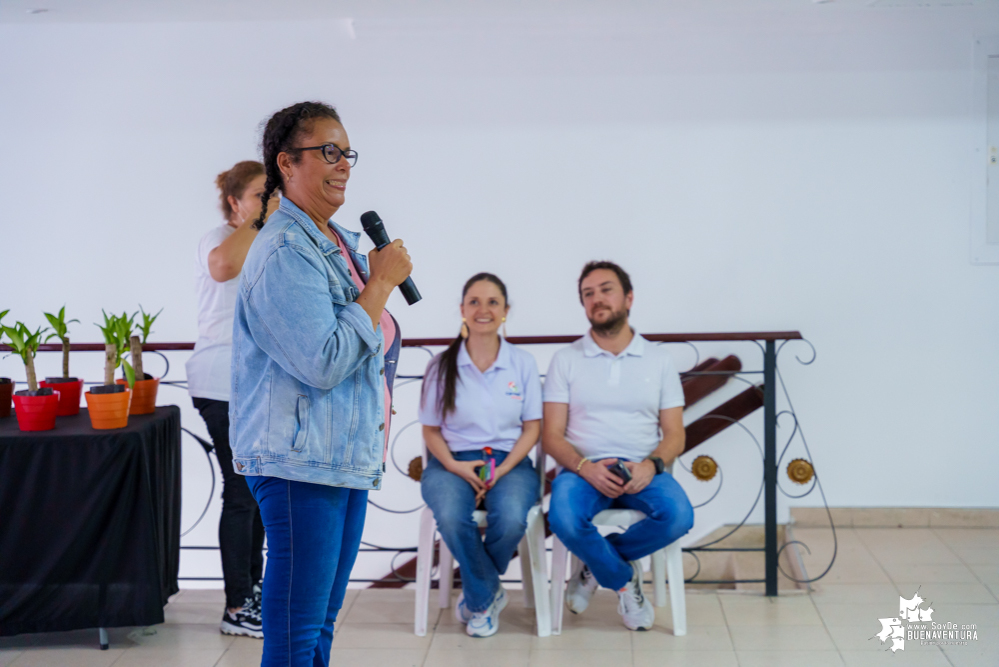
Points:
[[757, 170]]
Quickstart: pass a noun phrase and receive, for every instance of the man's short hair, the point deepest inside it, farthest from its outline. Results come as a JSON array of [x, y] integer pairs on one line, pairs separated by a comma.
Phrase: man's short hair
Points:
[[621, 274]]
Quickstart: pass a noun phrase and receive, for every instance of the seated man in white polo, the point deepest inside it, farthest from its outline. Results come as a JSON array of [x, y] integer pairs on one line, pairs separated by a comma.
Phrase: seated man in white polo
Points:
[[613, 396]]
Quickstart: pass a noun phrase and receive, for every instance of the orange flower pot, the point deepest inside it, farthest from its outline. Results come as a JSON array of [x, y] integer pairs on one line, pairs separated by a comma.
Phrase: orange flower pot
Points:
[[143, 396], [108, 411]]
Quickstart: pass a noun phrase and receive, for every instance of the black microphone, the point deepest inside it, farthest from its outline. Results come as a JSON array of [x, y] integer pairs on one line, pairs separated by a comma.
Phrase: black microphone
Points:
[[375, 229]]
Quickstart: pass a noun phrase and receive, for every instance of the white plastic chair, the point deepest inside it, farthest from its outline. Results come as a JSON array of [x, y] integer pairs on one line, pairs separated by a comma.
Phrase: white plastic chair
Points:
[[667, 562], [533, 563]]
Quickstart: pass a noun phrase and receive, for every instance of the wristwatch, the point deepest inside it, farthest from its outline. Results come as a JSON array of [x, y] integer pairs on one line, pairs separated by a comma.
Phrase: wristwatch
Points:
[[658, 463]]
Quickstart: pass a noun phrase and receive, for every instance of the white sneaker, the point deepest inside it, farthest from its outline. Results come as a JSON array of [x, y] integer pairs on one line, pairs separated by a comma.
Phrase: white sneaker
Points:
[[486, 623], [461, 613], [635, 609], [582, 584]]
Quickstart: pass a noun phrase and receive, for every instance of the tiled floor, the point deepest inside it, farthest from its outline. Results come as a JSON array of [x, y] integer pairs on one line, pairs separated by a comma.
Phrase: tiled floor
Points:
[[955, 569]]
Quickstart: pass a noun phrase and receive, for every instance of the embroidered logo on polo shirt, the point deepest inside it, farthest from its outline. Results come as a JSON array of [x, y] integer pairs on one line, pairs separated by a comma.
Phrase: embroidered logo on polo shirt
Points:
[[513, 391]]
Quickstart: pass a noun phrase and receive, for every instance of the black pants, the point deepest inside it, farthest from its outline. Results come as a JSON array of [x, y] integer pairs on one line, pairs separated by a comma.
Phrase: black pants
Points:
[[241, 532]]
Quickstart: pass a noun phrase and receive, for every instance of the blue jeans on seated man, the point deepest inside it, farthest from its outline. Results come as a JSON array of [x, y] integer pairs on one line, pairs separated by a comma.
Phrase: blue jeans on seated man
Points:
[[575, 502], [313, 533], [452, 500]]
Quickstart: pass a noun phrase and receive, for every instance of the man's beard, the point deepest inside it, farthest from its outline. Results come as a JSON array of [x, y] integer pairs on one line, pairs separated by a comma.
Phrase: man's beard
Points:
[[612, 324]]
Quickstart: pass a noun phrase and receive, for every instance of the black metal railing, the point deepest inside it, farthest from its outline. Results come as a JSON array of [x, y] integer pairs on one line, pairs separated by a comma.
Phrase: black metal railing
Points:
[[769, 344]]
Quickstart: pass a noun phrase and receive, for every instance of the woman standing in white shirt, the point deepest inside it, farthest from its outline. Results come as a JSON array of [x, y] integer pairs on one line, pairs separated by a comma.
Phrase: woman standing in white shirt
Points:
[[220, 259]]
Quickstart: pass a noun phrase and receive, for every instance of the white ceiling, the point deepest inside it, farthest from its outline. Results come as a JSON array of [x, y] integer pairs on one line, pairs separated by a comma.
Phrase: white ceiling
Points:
[[116, 11]]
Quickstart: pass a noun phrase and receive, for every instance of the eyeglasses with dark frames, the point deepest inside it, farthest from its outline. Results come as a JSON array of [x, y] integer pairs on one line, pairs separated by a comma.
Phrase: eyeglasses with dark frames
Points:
[[331, 153]]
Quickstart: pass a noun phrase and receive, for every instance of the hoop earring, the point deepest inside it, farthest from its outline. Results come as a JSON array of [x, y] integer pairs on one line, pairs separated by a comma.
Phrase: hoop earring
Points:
[[504, 328], [464, 329]]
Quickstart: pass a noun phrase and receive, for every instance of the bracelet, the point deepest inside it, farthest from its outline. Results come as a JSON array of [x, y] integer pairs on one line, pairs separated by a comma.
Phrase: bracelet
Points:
[[580, 464]]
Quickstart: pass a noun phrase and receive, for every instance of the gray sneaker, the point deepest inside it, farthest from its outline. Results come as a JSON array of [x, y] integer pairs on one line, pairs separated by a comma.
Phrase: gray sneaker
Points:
[[635, 609], [582, 585]]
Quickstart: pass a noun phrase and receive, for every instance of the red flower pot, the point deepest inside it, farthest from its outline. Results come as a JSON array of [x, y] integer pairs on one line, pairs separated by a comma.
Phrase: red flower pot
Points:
[[36, 413], [69, 395], [6, 391]]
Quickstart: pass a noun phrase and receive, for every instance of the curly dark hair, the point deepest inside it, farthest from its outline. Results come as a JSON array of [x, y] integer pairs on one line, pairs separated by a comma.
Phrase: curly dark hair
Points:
[[281, 133]]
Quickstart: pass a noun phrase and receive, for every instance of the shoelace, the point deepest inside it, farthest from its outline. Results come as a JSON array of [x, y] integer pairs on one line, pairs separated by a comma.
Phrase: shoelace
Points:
[[250, 609], [633, 595]]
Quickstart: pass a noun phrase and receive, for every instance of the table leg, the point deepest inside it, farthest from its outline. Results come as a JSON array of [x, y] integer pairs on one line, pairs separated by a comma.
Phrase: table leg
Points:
[[103, 634]]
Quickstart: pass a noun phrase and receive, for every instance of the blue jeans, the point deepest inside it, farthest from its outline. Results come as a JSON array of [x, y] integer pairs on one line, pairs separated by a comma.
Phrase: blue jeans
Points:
[[452, 500], [574, 503], [313, 533]]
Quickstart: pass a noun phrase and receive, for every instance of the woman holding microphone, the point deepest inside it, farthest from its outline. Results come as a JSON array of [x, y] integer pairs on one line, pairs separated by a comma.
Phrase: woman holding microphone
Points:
[[313, 361], [220, 259], [481, 400]]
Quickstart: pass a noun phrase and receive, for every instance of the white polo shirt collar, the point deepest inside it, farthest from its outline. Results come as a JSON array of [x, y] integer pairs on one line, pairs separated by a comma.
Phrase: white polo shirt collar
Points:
[[636, 347], [502, 359]]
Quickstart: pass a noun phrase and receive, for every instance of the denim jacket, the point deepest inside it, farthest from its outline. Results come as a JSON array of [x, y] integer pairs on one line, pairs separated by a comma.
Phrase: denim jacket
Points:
[[308, 400]]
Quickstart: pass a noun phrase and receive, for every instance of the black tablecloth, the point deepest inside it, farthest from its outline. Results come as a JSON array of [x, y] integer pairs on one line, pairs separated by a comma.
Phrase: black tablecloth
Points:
[[89, 523]]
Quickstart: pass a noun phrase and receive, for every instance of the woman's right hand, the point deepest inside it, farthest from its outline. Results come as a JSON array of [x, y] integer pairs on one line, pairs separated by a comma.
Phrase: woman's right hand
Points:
[[466, 470], [391, 264]]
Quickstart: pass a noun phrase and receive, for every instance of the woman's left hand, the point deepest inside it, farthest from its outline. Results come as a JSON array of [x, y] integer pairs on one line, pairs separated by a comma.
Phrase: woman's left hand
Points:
[[500, 471]]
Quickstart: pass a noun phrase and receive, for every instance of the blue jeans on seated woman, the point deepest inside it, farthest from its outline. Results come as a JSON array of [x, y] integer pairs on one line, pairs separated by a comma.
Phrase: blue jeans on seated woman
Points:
[[452, 500], [313, 533], [669, 516]]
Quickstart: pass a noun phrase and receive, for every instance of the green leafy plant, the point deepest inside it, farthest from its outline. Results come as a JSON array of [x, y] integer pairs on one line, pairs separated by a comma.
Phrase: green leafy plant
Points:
[[147, 323], [25, 344], [117, 337], [1, 324], [61, 329], [136, 345]]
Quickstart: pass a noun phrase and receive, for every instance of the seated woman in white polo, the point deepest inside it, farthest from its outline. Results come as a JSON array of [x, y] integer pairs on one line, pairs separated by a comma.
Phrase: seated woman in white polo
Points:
[[481, 394]]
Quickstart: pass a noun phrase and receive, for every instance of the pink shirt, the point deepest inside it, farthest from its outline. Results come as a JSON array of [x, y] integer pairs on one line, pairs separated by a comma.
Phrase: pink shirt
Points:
[[388, 333]]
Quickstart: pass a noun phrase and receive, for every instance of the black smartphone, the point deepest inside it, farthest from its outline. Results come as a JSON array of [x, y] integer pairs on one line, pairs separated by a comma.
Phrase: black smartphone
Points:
[[621, 471]]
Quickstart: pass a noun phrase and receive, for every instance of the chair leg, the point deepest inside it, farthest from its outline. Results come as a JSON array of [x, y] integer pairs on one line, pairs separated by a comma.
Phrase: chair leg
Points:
[[559, 557], [523, 550], [102, 637], [659, 577], [446, 578], [424, 566], [535, 542], [674, 570]]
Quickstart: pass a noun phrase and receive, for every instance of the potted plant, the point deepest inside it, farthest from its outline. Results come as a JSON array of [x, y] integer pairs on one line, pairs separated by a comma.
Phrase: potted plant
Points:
[[108, 403], [6, 384], [145, 386], [69, 387], [35, 408]]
